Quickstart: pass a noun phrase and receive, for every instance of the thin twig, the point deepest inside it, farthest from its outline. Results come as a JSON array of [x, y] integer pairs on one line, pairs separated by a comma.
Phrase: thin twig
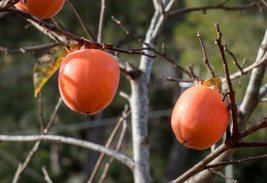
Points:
[[231, 92], [37, 144], [179, 80], [223, 176], [101, 21], [234, 59], [78, 15], [264, 156], [46, 175], [202, 164], [248, 69], [41, 115], [259, 125], [70, 35], [219, 6], [191, 70], [110, 139], [57, 23], [162, 54], [28, 48], [205, 59], [17, 174], [250, 144], [124, 128]]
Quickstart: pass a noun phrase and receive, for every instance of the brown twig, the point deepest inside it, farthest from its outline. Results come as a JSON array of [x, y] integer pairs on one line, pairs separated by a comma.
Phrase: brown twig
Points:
[[202, 164], [205, 59], [179, 80], [219, 7], [57, 23], [162, 54], [223, 176], [234, 59], [237, 161], [70, 35], [250, 144], [231, 92], [259, 125], [78, 15]]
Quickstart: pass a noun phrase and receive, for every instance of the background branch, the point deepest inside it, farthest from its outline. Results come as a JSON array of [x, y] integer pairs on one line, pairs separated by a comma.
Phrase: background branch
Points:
[[68, 140]]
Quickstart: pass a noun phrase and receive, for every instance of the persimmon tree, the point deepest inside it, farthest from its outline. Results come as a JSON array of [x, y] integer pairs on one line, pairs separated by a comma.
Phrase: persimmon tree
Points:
[[139, 77]]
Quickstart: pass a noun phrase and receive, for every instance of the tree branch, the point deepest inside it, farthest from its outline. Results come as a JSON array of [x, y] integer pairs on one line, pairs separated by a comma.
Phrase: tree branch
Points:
[[68, 140], [217, 7]]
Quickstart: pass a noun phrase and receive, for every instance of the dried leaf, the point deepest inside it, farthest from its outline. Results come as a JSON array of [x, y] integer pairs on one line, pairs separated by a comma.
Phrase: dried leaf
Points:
[[214, 83], [46, 66]]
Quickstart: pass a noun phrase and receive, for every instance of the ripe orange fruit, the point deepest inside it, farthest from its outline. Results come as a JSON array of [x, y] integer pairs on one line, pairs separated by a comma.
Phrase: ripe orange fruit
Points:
[[42, 9], [88, 80], [200, 117]]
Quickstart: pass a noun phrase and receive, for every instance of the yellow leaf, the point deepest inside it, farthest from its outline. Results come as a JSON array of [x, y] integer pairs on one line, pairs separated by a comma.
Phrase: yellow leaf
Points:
[[46, 66], [214, 83]]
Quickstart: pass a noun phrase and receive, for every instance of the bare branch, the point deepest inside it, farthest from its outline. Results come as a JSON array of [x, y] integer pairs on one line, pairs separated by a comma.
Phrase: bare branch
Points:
[[108, 144], [179, 80], [78, 15], [37, 144], [46, 176], [223, 176], [101, 20], [41, 116], [205, 59], [28, 48], [151, 48], [201, 165], [261, 124], [68, 140], [231, 91], [234, 59], [123, 131], [218, 7], [237, 161]]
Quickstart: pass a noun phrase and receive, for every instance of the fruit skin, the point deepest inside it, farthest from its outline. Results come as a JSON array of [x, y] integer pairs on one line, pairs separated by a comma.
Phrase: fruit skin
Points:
[[42, 9], [88, 80], [200, 117]]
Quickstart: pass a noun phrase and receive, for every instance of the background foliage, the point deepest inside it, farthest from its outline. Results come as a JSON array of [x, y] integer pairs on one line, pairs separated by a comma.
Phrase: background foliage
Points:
[[242, 32]]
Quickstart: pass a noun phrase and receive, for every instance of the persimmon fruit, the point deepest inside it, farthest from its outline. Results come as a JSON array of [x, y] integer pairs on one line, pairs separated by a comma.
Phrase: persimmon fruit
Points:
[[200, 117], [42, 9], [88, 80]]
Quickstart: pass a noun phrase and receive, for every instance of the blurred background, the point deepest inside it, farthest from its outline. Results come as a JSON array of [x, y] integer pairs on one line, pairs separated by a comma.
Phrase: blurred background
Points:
[[242, 32]]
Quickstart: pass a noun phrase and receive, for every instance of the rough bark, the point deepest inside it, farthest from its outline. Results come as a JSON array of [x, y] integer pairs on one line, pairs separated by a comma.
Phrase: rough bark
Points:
[[139, 97]]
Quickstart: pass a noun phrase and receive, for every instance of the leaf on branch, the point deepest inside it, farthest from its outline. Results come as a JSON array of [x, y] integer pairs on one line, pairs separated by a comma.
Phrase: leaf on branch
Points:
[[46, 66], [214, 83]]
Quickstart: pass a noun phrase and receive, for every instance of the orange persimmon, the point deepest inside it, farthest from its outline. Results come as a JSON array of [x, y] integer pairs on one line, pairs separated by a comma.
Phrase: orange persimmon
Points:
[[88, 80], [42, 9], [200, 117]]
